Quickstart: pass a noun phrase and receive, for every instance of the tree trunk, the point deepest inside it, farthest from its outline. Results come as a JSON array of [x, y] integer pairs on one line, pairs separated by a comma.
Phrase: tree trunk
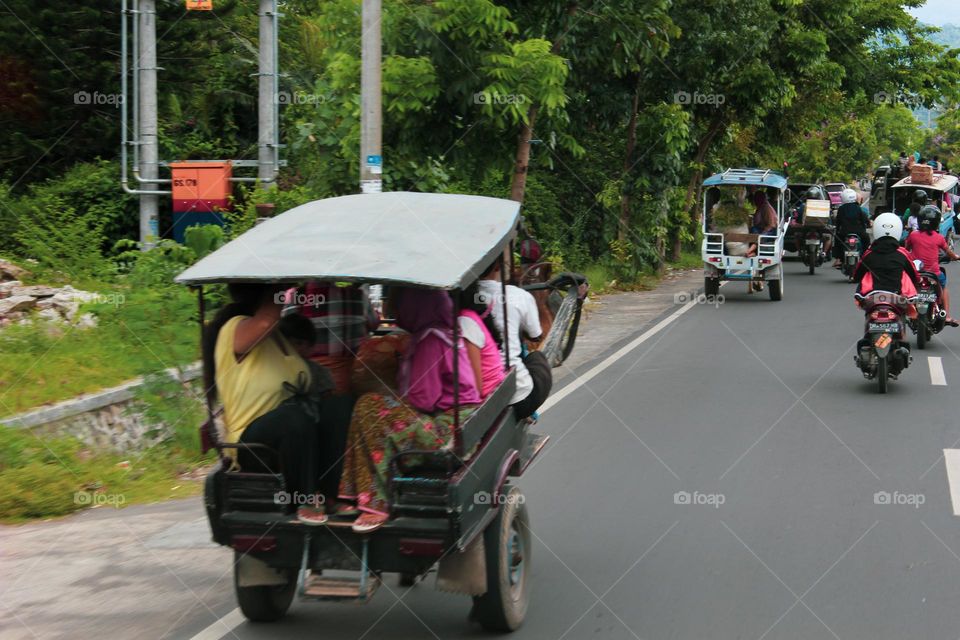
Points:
[[693, 187], [522, 163], [623, 226]]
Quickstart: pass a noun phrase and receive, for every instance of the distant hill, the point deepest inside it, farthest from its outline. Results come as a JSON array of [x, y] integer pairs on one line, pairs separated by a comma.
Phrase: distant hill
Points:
[[949, 36]]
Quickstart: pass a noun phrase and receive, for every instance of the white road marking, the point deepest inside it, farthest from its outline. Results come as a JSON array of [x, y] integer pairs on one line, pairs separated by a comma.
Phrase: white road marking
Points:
[[952, 459], [235, 618], [937, 377], [221, 627], [627, 348]]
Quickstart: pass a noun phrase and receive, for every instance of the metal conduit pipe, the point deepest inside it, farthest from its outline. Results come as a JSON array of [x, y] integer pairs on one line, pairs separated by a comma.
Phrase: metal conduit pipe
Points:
[[124, 139]]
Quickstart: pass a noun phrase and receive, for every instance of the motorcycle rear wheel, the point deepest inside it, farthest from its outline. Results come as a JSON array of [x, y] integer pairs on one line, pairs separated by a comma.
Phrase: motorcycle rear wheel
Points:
[[883, 376]]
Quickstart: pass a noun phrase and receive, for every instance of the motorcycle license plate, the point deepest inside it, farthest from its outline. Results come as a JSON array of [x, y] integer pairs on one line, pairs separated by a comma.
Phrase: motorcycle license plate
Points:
[[851, 254], [813, 243], [926, 297], [884, 327]]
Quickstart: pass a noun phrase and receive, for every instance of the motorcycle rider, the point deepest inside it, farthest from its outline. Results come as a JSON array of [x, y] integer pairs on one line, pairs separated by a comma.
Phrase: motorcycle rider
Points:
[[798, 219], [886, 266], [850, 219], [925, 245]]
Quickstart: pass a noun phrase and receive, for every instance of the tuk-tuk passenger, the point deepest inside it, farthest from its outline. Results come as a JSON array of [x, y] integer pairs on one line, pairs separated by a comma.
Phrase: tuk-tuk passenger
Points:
[[421, 418], [765, 218], [260, 380], [764, 223], [534, 374], [343, 317], [482, 339]]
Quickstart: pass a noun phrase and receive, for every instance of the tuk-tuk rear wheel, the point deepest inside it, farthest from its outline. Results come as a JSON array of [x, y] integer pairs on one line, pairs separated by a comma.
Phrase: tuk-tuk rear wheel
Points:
[[776, 289], [506, 544], [711, 286], [266, 603]]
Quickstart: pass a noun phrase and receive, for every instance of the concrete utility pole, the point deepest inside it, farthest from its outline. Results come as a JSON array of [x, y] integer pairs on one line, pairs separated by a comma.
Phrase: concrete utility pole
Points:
[[149, 155], [371, 160], [268, 97]]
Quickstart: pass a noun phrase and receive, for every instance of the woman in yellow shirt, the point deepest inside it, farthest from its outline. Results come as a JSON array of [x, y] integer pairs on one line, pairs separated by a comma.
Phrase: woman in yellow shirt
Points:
[[254, 371]]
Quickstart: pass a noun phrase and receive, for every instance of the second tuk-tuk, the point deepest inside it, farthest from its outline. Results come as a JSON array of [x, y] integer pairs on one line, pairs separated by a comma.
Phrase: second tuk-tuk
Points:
[[455, 508], [944, 193], [731, 254]]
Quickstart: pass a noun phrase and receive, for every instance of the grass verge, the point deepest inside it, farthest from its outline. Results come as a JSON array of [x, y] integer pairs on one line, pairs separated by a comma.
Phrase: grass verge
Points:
[[50, 477]]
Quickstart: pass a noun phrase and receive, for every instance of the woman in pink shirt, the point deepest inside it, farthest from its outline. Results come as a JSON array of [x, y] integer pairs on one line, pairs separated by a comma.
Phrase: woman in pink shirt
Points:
[[925, 245], [482, 339]]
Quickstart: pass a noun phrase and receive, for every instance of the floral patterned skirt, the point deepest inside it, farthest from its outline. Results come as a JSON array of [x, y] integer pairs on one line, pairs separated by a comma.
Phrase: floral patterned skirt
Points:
[[381, 427]]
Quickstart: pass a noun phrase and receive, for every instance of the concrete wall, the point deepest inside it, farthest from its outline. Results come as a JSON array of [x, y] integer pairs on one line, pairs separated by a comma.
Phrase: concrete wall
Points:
[[106, 419]]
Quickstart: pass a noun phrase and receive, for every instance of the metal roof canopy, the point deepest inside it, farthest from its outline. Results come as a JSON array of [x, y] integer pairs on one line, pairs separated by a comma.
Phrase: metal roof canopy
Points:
[[442, 241], [941, 182], [747, 177]]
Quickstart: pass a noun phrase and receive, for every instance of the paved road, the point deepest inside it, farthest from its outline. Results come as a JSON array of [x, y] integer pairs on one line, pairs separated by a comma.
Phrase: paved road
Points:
[[726, 478]]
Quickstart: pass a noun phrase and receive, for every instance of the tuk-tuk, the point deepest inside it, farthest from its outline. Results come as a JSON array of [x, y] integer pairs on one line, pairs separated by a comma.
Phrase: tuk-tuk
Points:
[[944, 193], [756, 258], [455, 508]]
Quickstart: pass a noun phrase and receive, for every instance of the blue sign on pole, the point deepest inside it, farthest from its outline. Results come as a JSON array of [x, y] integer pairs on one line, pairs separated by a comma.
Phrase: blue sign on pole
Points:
[[374, 160]]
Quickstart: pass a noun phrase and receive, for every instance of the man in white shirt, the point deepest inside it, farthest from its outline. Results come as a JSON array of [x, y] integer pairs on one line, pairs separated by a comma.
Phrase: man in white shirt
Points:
[[534, 376]]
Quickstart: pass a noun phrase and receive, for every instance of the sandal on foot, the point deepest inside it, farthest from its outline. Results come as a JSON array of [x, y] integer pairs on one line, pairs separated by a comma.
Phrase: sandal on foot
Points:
[[368, 522], [345, 509], [312, 516], [951, 322]]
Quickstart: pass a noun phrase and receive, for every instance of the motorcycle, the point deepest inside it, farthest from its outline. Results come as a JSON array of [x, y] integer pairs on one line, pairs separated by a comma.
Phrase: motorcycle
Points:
[[883, 353], [852, 251], [811, 249], [931, 317]]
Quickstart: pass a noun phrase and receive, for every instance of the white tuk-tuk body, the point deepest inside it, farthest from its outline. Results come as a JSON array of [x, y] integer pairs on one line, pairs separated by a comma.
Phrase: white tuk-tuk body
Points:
[[719, 263]]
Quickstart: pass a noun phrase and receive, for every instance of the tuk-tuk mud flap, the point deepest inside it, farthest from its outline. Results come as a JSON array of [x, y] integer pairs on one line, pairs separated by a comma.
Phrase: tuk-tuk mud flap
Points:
[[253, 572], [464, 571]]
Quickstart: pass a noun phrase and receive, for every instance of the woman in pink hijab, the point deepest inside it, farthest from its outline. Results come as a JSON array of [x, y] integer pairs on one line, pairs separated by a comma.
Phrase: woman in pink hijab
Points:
[[421, 418]]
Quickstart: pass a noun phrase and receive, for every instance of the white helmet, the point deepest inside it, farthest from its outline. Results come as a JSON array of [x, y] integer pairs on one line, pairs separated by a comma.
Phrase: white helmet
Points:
[[887, 225], [848, 196]]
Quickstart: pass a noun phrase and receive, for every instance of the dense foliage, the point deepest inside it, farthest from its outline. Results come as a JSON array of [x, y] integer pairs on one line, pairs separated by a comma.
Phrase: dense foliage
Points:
[[602, 116]]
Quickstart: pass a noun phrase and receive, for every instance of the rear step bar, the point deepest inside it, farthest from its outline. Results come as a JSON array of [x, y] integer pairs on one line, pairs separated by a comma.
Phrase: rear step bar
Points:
[[319, 587]]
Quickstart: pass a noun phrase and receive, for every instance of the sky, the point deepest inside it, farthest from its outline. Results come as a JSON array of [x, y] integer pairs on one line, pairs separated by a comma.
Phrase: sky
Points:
[[939, 12]]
